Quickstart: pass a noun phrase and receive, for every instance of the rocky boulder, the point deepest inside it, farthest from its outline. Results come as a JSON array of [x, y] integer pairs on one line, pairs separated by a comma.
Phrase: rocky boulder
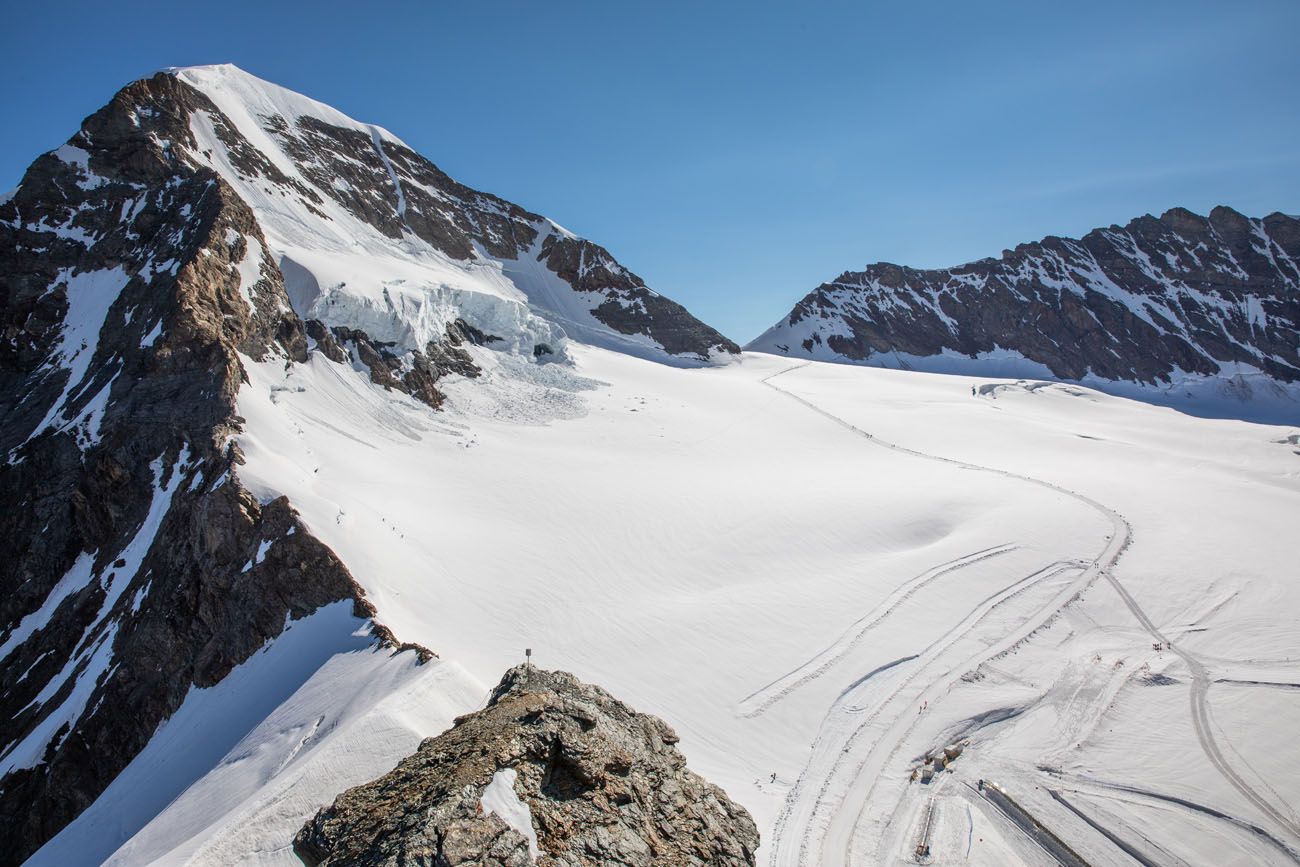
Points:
[[554, 772]]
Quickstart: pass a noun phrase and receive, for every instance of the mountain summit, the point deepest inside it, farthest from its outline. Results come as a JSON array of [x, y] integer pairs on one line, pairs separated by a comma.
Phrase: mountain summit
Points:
[[1200, 312]]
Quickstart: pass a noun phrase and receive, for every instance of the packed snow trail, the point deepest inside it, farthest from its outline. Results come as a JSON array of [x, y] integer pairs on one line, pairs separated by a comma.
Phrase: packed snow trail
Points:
[[1101, 566], [1083, 785], [844, 726], [1115, 545], [1053, 845], [760, 700], [1120, 843], [846, 824], [1201, 716]]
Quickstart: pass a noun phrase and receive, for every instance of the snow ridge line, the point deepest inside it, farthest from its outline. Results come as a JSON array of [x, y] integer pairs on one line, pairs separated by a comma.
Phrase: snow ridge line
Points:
[[760, 700]]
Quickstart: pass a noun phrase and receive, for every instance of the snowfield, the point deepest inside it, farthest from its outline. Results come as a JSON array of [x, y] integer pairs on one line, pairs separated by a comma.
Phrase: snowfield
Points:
[[818, 574]]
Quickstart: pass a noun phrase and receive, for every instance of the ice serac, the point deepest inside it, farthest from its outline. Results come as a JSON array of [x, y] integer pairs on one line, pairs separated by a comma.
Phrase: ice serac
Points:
[[1198, 312], [554, 772]]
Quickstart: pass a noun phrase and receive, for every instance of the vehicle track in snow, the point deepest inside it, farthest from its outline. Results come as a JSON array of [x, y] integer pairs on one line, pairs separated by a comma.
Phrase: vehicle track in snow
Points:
[[845, 827], [812, 839], [1120, 843], [760, 700], [796, 808], [1085, 785], [1200, 710], [820, 791]]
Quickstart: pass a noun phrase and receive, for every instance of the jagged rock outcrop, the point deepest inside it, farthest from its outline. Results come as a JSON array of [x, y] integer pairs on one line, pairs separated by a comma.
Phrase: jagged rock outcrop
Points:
[[599, 784], [631, 308], [415, 372], [1159, 303]]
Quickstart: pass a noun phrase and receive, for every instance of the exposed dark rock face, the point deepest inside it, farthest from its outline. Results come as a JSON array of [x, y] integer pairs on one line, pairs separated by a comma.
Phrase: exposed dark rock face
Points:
[[632, 308], [603, 785], [1139, 303], [132, 562], [414, 373]]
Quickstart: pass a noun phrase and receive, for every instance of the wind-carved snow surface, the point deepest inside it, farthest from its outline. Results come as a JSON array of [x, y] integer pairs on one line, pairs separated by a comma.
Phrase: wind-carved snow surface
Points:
[[499, 797]]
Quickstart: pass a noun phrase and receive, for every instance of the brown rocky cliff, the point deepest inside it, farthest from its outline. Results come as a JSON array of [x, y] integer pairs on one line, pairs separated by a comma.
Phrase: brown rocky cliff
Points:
[[130, 465]]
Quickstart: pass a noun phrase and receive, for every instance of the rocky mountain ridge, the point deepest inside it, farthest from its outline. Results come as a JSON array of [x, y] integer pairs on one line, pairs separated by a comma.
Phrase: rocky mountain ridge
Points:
[[135, 565], [552, 772], [1200, 311]]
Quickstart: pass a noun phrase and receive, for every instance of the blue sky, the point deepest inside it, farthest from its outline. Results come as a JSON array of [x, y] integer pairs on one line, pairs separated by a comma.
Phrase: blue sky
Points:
[[735, 155]]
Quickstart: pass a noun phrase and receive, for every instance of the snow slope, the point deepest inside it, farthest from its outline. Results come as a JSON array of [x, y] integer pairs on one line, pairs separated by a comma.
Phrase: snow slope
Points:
[[144, 255], [788, 561], [231, 775]]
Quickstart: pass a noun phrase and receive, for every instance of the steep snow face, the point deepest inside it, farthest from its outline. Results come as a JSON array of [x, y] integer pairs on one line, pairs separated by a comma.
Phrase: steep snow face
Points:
[[133, 565], [1201, 313], [194, 221], [230, 776], [372, 235]]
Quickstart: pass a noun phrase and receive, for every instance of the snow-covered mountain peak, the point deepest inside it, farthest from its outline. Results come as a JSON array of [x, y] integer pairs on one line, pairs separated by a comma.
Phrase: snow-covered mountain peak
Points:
[[209, 242], [355, 217], [236, 91], [1197, 311], [236, 534]]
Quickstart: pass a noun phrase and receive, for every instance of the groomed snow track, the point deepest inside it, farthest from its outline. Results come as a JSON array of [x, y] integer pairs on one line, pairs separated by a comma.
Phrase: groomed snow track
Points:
[[824, 818]]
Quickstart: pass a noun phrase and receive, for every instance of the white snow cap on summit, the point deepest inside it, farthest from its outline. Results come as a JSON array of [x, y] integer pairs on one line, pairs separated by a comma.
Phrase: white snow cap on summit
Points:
[[340, 263], [266, 96]]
